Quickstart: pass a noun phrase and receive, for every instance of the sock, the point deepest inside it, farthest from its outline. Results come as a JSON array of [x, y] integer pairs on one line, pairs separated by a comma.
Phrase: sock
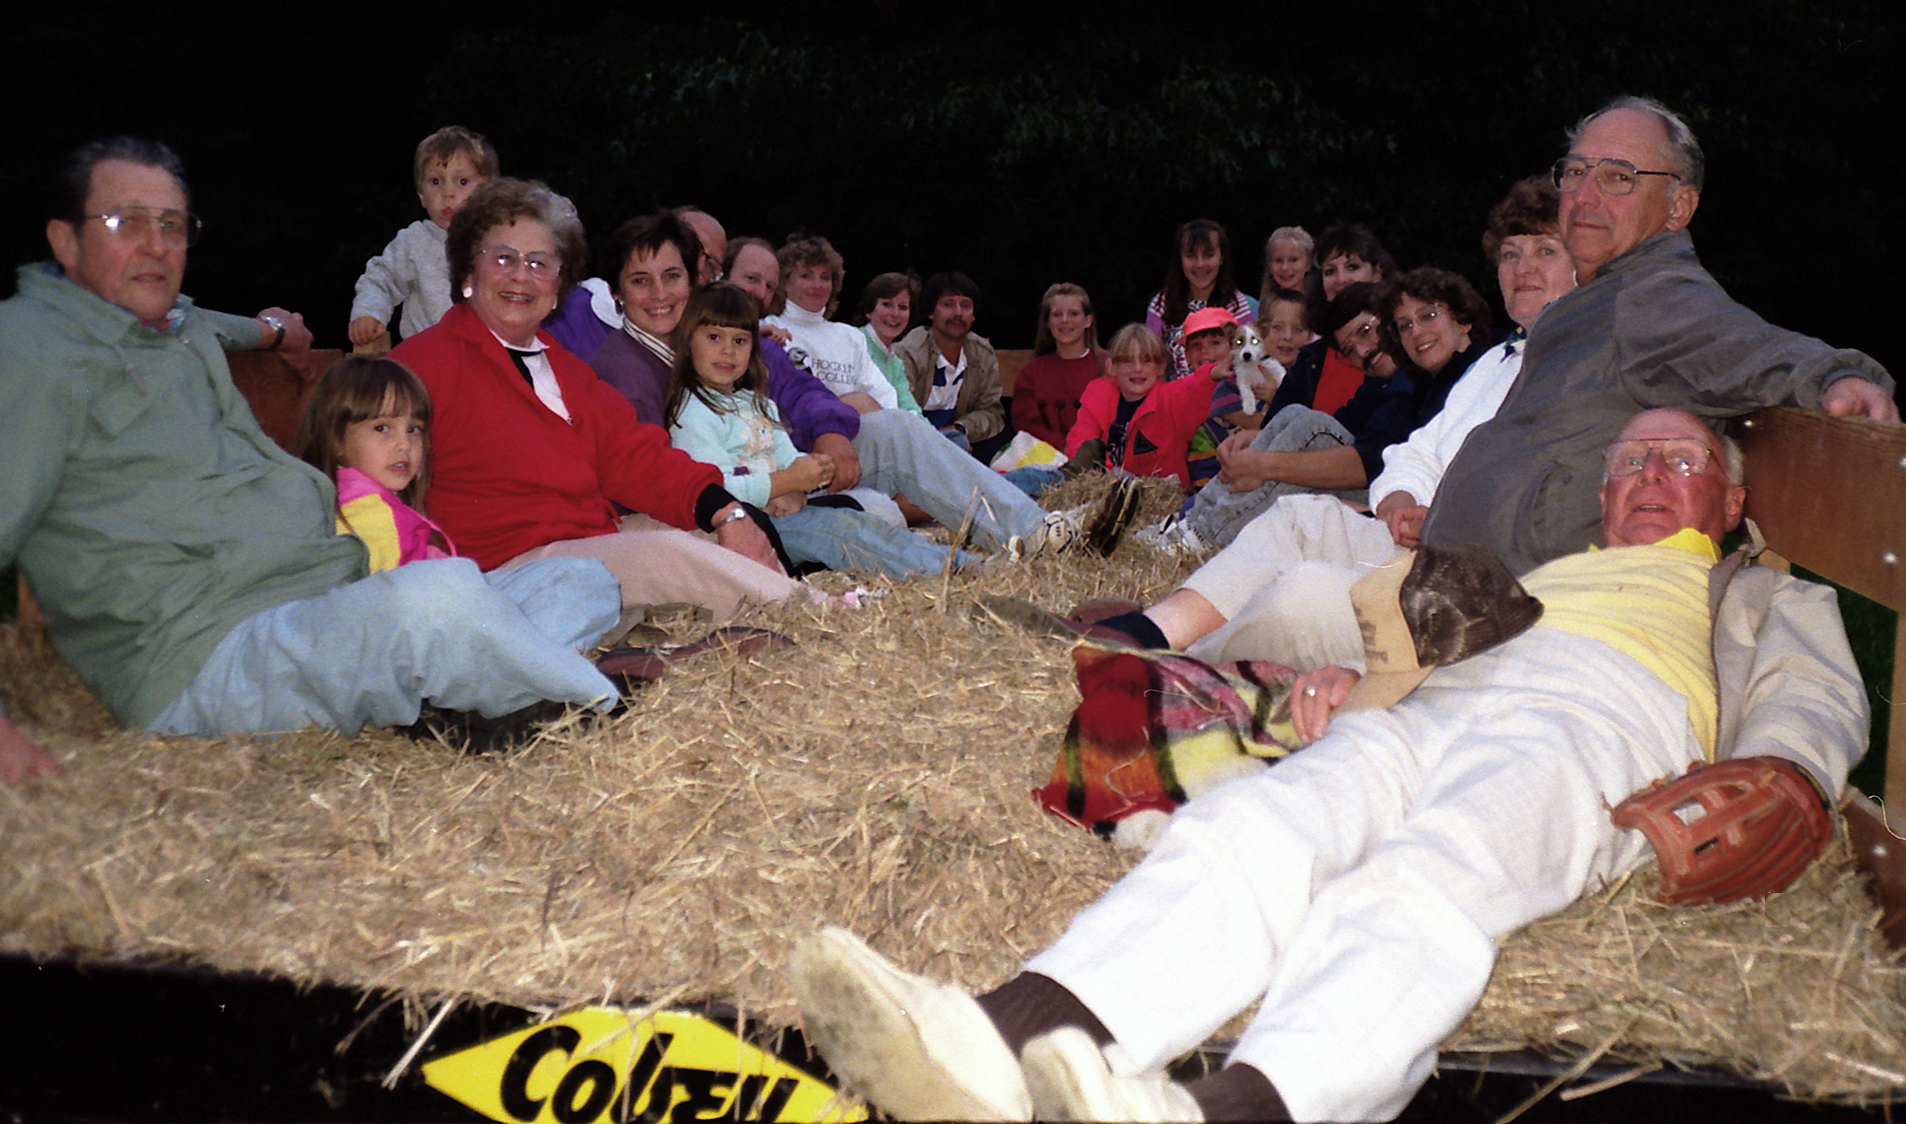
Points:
[[1238, 1092], [1140, 628], [1029, 1005]]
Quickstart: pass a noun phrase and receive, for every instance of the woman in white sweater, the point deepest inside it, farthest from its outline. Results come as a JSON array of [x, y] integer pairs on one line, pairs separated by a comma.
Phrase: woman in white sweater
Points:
[[835, 353], [1279, 591]]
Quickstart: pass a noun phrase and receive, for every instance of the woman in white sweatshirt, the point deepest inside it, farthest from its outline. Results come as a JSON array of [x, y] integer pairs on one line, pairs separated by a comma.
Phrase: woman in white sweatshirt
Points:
[[836, 354]]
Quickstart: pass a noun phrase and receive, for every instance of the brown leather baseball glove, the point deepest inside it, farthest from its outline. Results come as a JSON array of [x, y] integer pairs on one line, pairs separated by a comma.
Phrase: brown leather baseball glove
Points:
[[1742, 828]]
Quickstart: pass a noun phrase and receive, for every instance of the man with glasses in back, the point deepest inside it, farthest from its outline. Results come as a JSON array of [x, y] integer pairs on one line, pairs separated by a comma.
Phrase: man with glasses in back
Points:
[[1646, 327], [190, 570]]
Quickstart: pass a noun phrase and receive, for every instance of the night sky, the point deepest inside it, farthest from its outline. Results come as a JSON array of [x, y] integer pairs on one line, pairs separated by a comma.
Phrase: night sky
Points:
[[297, 129]]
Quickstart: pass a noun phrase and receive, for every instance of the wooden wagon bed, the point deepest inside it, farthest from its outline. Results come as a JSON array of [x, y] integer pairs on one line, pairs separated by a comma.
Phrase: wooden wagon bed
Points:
[[336, 904]]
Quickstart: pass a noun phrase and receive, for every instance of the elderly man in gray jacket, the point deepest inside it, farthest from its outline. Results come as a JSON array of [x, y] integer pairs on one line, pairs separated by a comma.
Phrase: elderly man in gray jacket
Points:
[[1645, 327]]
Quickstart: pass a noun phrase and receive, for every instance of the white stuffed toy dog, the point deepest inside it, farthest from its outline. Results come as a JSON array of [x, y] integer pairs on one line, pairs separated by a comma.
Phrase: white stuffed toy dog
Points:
[[1252, 365]]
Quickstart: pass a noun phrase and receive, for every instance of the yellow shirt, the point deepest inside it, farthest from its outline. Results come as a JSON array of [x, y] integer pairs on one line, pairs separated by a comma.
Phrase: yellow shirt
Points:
[[1648, 602], [369, 518]]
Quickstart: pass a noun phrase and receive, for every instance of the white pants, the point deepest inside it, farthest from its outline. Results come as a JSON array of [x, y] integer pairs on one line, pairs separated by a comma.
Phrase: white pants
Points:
[[1284, 585], [1359, 885], [656, 564]]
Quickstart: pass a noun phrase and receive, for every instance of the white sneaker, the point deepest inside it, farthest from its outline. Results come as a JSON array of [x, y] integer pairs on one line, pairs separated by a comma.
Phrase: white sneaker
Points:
[[1094, 526], [1170, 535], [1059, 532], [916, 1049], [1069, 1080], [1056, 534]]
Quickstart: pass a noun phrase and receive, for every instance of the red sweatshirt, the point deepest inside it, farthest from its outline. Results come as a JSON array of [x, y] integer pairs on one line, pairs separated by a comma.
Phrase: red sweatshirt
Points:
[[1157, 438]]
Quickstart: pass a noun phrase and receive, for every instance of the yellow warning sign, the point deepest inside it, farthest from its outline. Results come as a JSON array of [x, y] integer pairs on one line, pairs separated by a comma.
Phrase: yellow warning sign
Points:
[[599, 1063]]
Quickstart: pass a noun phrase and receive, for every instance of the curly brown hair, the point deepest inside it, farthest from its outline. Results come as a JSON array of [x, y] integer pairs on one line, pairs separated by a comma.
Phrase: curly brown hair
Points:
[[804, 251], [1533, 206], [499, 202], [1431, 286]]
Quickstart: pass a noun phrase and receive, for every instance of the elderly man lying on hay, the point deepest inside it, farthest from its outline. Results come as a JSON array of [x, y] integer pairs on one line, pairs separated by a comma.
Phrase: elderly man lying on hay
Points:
[[1358, 887]]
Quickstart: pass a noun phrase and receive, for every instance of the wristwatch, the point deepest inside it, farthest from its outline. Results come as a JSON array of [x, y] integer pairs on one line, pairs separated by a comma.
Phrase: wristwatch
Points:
[[277, 326], [739, 512]]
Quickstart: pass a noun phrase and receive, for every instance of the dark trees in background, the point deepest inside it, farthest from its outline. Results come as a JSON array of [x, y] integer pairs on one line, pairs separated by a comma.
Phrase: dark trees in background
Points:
[[1011, 147]]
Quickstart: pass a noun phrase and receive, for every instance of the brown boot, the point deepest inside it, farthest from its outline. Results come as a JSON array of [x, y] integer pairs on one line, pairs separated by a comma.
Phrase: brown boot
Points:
[[1089, 458]]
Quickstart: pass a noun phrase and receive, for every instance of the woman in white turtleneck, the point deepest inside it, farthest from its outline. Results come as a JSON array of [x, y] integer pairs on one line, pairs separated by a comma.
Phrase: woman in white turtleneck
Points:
[[836, 354]]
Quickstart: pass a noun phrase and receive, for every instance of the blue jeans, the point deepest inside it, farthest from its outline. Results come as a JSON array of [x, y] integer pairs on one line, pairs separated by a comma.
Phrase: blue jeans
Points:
[[1217, 514], [371, 652], [900, 452], [1032, 479], [844, 539]]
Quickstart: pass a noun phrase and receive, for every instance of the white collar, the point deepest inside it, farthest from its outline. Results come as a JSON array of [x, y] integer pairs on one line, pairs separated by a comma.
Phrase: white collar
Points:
[[656, 344]]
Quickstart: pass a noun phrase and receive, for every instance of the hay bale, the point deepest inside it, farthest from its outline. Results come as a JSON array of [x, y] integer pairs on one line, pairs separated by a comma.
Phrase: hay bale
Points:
[[1797, 990], [876, 776]]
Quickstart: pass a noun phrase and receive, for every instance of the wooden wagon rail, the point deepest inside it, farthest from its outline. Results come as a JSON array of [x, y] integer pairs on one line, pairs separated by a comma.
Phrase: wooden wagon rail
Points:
[[1830, 495]]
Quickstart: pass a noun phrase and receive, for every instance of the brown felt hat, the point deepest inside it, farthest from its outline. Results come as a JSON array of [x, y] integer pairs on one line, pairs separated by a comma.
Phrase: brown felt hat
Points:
[[1428, 607]]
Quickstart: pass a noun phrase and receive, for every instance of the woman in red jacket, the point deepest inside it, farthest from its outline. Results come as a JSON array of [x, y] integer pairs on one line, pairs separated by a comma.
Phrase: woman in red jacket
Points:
[[533, 456]]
